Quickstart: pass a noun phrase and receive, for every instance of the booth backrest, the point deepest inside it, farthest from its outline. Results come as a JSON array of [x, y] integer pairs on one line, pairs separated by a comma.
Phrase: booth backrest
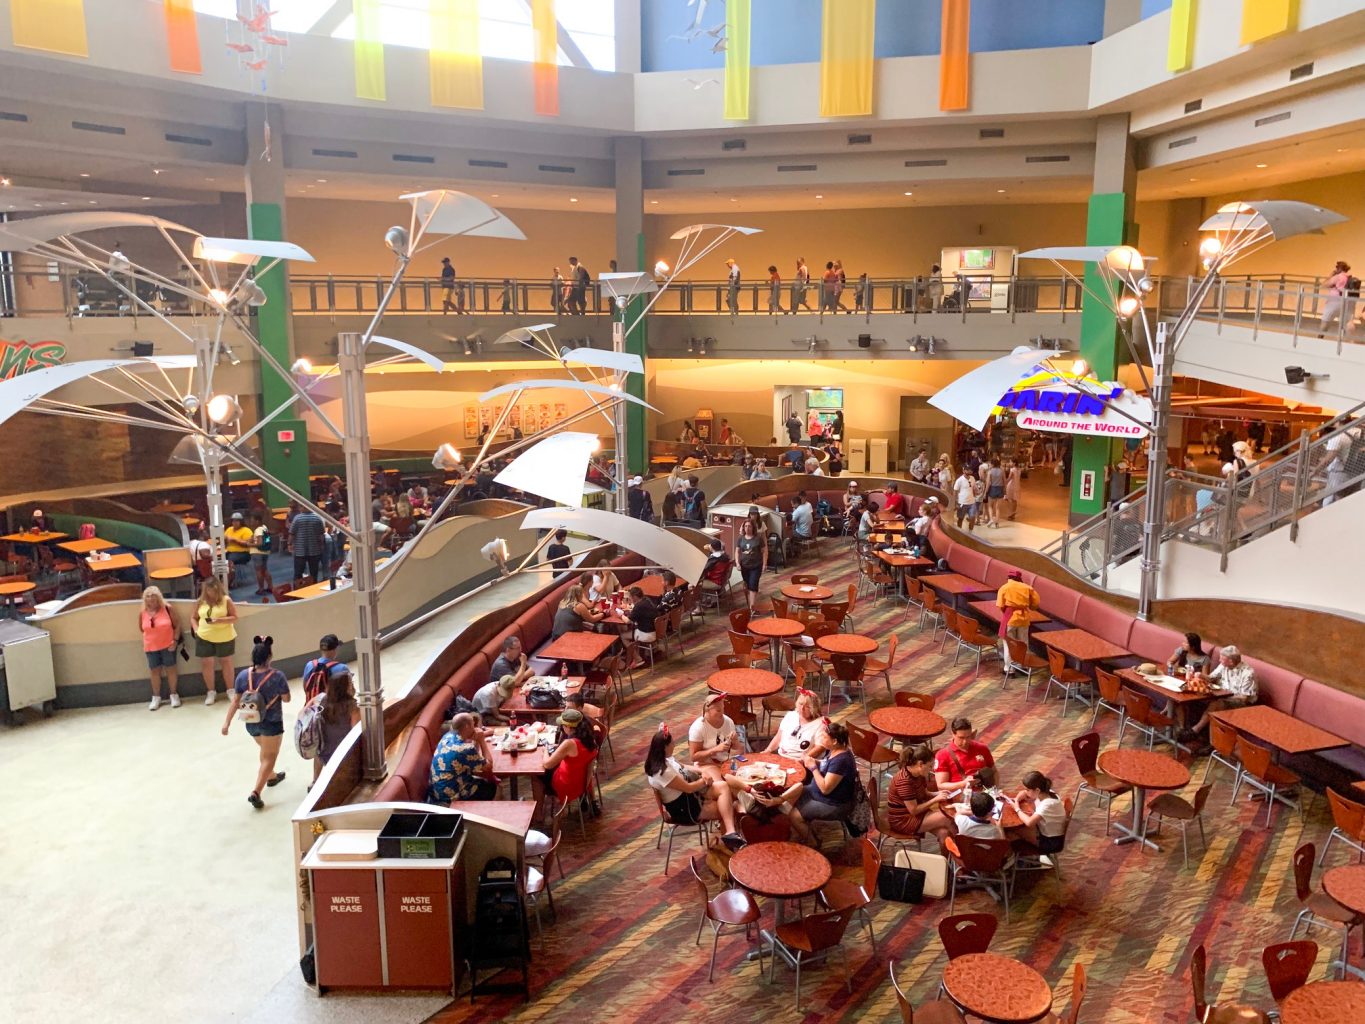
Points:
[[1329, 708], [1058, 601], [1113, 624], [133, 536], [1279, 687], [969, 563], [997, 572], [1152, 642]]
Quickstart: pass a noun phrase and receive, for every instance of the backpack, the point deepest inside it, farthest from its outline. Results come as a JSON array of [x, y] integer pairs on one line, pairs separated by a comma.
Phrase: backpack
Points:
[[647, 508], [694, 504], [254, 704], [264, 540], [308, 730], [315, 683], [1353, 287]]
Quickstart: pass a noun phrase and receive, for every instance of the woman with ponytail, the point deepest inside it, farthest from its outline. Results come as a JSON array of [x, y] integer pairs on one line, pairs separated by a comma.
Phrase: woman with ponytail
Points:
[[1045, 827], [258, 699], [688, 796]]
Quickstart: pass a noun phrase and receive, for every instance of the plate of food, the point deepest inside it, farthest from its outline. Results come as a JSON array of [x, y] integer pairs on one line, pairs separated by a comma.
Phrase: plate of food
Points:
[[761, 772]]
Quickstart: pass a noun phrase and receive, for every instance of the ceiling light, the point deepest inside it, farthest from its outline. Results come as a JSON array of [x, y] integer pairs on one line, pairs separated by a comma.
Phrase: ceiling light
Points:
[[223, 409], [1128, 305], [92, 203], [819, 196], [1079, 367], [1194, 179], [5, 182], [146, 199], [219, 296], [301, 365], [734, 200], [1210, 246], [156, 170], [495, 195], [1262, 165], [907, 193], [573, 199], [447, 457], [321, 181], [655, 202], [999, 190], [85, 174], [661, 269], [61, 204]]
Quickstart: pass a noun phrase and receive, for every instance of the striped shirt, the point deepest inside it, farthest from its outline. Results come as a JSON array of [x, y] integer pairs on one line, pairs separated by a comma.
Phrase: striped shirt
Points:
[[305, 534]]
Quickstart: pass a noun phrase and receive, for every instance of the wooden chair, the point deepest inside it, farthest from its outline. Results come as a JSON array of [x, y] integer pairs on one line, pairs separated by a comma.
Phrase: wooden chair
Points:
[[1069, 680], [1026, 661], [733, 908], [834, 612], [970, 636], [724, 661], [739, 619], [805, 579], [940, 1011], [876, 667], [842, 894], [538, 843], [1086, 751], [702, 828], [675, 630], [775, 830], [1223, 740], [1138, 712], [867, 748], [951, 627], [882, 826], [737, 708], [654, 648], [816, 934], [780, 607], [1199, 967], [613, 701], [536, 881], [1261, 773], [978, 862], [804, 646], [914, 595], [1182, 811], [1028, 857], [847, 670], [1348, 821], [742, 644], [879, 577], [1078, 986], [1287, 966], [852, 605], [1319, 909], [1110, 698], [910, 699], [967, 933]]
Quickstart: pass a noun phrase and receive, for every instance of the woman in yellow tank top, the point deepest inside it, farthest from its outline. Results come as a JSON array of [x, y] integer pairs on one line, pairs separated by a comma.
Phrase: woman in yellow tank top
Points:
[[215, 636]]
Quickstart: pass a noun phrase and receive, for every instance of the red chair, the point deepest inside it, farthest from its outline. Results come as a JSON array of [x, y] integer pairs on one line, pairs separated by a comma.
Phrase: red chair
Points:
[[1287, 966], [970, 636], [1078, 986], [808, 937], [1072, 682], [739, 619], [876, 667], [728, 908], [1319, 909], [737, 708], [1223, 739], [743, 645], [702, 828], [1024, 660], [1260, 772], [940, 1011], [933, 608], [951, 629], [1086, 751], [776, 830], [866, 747], [724, 661], [841, 894], [910, 699], [979, 862], [847, 670], [1348, 822], [967, 933], [779, 607], [1111, 696], [1182, 811], [1138, 712]]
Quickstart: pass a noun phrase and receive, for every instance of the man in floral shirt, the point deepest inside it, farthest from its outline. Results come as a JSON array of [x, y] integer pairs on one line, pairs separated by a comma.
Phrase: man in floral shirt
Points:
[[1234, 675], [462, 767]]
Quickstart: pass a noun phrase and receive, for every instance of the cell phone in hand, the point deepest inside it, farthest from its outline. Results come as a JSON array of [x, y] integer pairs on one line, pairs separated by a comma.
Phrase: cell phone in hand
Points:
[[741, 758]]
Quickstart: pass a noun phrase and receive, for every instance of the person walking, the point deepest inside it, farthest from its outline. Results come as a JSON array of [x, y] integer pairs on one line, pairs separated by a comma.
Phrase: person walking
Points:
[[1013, 487], [450, 297], [306, 541], [161, 632], [793, 425], [800, 285], [1014, 599], [557, 292], [751, 555], [843, 284], [1334, 308], [732, 287], [934, 288], [774, 291], [578, 287], [258, 698], [339, 712], [215, 636], [829, 288]]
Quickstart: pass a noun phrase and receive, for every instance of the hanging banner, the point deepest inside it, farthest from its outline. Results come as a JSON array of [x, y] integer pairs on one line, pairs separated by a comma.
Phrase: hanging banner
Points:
[[738, 17], [1262, 19], [1065, 403], [1180, 43], [57, 26], [369, 52], [18, 357], [456, 60], [545, 70], [182, 37], [954, 58], [846, 58]]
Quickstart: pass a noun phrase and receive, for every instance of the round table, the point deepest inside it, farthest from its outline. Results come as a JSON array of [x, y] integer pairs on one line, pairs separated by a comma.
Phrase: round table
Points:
[[745, 682], [175, 572], [806, 593], [775, 630], [795, 769], [1143, 770], [1346, 885], [13, 590], [997, 988], [780, 870], [1325, 1002], [171, 507], [908, 724], [846, 643]]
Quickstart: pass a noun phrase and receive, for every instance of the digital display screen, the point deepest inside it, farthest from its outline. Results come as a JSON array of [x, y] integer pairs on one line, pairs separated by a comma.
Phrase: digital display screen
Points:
[[825, 398], [978, 259]]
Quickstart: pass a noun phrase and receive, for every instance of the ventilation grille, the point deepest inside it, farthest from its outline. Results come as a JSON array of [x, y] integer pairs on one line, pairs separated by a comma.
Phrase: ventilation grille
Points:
[[488, 163], [188, 140], [859, 140], [1189, 140], [991, 133], [413, 158], [1194, 106], [5, 115], [927, 163], [683, 172], [103, 129], [784, 168], [339, 154], [557, 169], [1056, 158], [732, 144], [1261, 122], [1302, 71]]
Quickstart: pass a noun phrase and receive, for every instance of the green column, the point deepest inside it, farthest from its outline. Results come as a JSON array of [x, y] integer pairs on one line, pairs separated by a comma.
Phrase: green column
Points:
[[1106, 224], [287, 460], [637, 438]]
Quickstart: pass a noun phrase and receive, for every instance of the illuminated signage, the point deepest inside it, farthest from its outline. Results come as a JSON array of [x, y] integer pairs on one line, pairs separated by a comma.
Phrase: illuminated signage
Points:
[[1065, 403], [18, 357]]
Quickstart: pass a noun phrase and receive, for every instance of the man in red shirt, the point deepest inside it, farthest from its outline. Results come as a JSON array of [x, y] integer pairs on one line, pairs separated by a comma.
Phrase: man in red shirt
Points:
[[895, 501], [962, 758]]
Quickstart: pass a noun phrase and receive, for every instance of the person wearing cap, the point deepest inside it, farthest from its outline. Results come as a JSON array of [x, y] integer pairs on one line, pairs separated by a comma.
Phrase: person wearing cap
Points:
[[713, 738], [895, 500], [489, 698], [313, 681], [39, 522], [1231, 674], [732, 289], [462, 764], [568, 765], [1014, 600], [641, 505], [239, 539], [1239, 467]]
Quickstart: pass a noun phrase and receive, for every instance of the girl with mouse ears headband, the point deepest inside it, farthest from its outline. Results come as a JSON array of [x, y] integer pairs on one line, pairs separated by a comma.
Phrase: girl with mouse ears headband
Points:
[[664, 732]]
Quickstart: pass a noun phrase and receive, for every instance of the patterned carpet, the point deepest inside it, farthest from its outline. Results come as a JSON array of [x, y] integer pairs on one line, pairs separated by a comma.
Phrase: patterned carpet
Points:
[[623, 946]]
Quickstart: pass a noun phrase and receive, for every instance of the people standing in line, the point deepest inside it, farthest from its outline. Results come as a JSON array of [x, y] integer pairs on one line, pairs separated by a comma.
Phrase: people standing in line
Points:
[[215, 636], [836, 429], [774, 290], [340, 713], [1015, 599], [578, 287], [306, 542], [557, 292], [800, 285], [161, 633], [261, 543], [919, 466], [732, 287], [862, 299], [452, 297], [964, 498], [1334, 308], [829, 287], [261, 691], [558, 553]]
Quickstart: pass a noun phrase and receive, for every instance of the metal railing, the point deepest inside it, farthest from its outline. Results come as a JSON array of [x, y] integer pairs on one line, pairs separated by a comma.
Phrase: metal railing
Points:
[[1277, 490]]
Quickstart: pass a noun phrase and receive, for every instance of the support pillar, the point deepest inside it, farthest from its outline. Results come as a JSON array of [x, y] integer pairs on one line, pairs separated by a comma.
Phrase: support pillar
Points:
[[630, 256], [285, 458], [1109, 221]]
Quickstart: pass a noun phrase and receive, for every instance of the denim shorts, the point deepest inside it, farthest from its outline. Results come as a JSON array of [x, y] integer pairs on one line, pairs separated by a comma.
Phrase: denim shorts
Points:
[[161, 659], [265, 728]]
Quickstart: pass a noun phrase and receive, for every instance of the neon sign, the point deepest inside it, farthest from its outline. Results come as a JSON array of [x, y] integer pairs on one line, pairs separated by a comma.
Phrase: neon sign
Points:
[[1065, 403], [18, 357]]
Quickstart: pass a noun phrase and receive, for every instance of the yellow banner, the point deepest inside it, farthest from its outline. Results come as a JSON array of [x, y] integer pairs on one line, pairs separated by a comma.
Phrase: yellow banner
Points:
[[456, 59], [1262, 19], [738, 18], [847, 35], [1180, 43], [369, 52], [545, 70], [57, 26], [954, 56]]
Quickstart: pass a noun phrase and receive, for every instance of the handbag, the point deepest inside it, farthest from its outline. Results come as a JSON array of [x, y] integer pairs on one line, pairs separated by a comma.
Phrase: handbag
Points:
[[934, 866], [544, 698], [903, 885]]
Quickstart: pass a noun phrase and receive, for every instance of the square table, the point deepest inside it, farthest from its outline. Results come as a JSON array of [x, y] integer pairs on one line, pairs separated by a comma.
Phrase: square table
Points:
[[84, 547], [516, 704], [113, 563], [578, 646], [1081, 645], [33, 538], [514, 815], [317, 589], [992, 611], [955, 585], [527, 762], [1284, 732]]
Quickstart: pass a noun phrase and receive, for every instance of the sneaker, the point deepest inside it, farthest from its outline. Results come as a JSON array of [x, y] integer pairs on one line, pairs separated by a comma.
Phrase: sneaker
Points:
[[210, 697], [255, 800], [175, 700], [155, 703], [275, 780]]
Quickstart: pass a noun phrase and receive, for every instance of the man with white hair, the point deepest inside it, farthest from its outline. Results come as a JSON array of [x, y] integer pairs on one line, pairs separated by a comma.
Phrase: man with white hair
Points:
[[1231, 674], [813, 467]]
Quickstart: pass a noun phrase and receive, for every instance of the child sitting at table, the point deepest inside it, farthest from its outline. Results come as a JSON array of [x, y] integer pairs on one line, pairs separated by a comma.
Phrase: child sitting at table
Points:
[[1045, 828], [976, 817]]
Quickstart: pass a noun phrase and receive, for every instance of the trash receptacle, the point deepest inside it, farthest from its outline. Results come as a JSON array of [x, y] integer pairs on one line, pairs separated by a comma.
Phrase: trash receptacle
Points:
[[26, 676]]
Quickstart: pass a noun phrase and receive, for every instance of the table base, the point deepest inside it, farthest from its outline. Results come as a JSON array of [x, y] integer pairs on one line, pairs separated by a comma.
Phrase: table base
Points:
[[1133, 834]]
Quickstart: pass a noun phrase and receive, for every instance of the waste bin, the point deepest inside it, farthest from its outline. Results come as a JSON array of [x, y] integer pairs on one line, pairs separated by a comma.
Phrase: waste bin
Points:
[[26, 677]]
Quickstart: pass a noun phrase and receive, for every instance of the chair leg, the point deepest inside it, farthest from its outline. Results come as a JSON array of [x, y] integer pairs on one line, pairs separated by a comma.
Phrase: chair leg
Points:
[[1185, 841], [798, 979], [715, 941], [668, 856], [1322, 858]]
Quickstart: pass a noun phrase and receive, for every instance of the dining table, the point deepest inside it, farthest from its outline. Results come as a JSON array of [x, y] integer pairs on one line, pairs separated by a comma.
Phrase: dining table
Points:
[[909, 725], [12, 590], [516, 704], [1081, 645], [578, 647], [113, 563], [1325, 1002], [954, 587], [1346, 885], [997, 988], [650, 586], [1143, 770], [171, 507], [806, 593], [781, 871], [1283, 732], [775, 630], [992, 611], [86, 545], [1185, 705], [745, 682], [529, 763], [846, 643]]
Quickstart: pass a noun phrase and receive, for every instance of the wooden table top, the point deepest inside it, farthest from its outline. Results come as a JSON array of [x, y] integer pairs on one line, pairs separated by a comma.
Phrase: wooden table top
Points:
[[806, 592], [775, 628], [907, 723], [174, 572], [84, 547], [113, 563], [794, 768], [32, 538], [171, 507], [514, 815], [650, 586], [1346, 885], [527, 762], [997, 988], [16, 587], [578, 645], [1325, 1002], [1282, 731], [1144, 768], [516, 704], [780, 870], [745, 682], [904, 561], [317, 589], [1359, 785], [1082, 645], [1131, 675], [846, 643], [952, 583], [993, 612]]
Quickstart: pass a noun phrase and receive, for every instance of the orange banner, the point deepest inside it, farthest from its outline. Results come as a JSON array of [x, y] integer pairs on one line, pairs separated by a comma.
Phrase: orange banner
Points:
[[545, 70], [954, 59], [182, 37]]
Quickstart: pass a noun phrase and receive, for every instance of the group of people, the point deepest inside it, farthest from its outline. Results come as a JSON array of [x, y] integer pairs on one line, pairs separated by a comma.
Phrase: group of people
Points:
[[832, 285], [985, 491]]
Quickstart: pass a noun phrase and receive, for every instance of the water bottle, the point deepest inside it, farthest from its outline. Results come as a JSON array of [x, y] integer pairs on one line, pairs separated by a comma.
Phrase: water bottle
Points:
[[563, 673]]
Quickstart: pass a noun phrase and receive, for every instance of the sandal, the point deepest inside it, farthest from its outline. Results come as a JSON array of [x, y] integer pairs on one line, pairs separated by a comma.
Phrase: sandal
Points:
[[255, 800], [275, 780]]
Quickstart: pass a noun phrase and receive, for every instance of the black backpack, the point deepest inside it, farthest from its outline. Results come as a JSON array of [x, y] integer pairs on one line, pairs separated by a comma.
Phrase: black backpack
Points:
[[1353, 287], [694, 504]]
